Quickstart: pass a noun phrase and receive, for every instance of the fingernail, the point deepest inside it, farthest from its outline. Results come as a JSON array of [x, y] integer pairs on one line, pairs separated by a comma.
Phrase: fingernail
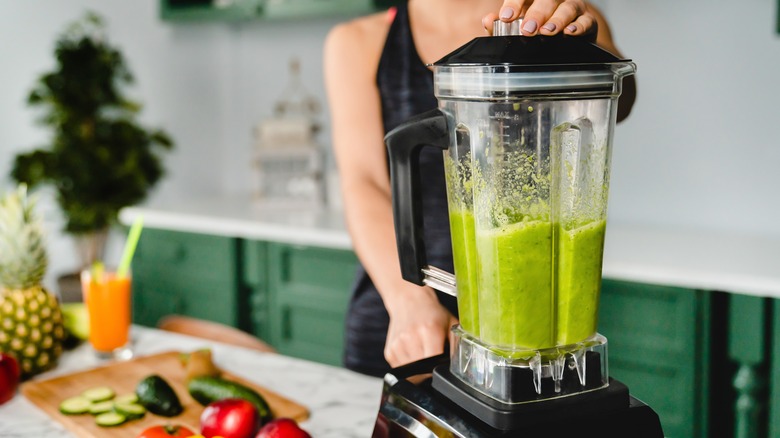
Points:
[[506, 13], [529, 26], [571, 28], [549, 27]]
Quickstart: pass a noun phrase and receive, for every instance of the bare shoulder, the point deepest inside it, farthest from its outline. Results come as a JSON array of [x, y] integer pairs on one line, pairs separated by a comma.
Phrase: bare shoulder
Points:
[[358, 41]]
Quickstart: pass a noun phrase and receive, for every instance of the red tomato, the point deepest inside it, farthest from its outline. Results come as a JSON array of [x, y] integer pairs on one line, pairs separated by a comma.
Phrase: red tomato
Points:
[[230, 418], [282, 428], [9, 377], [166, 431]]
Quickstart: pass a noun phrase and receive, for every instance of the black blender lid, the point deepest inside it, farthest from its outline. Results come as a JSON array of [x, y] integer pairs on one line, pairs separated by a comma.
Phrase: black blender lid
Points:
[[511, 65], [557, 52]]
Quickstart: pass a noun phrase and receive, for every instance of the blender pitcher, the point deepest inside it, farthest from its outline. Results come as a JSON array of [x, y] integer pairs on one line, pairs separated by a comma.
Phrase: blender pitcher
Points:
[[526, 127]]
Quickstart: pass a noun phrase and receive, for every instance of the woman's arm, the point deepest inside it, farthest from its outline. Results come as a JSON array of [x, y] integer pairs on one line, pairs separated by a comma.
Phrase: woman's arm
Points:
[[605, 41], [418, 323]]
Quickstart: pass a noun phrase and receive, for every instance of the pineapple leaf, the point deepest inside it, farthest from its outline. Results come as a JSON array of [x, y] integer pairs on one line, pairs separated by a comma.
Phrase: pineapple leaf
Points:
[[23, 259]]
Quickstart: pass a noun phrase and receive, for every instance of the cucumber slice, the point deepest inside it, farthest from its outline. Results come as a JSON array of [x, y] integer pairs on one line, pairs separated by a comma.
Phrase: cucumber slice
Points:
[[130, 410], [99, 394], [101, 407], [75, 405], [127, 398], [110, 419]]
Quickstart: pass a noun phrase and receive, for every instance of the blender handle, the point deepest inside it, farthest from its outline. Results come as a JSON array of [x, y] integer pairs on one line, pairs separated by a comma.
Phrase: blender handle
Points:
[[403, 147]]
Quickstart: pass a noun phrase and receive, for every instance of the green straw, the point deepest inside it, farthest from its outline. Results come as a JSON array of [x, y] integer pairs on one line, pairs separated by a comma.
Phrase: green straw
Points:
[[130, 244], [96, 271]]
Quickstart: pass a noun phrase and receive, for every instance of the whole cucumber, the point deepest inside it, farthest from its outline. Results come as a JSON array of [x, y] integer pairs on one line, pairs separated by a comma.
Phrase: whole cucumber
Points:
[[207, 389]]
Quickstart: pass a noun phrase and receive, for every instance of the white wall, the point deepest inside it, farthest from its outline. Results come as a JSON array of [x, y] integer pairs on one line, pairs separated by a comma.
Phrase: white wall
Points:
[[207, 84], [701, 148]]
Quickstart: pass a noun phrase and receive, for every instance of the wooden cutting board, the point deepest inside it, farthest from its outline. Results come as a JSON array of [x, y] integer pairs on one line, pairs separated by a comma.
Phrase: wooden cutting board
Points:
[[122, 377]]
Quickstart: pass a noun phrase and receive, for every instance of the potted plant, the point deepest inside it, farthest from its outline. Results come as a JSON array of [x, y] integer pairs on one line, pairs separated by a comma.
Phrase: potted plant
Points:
[[99, 158]]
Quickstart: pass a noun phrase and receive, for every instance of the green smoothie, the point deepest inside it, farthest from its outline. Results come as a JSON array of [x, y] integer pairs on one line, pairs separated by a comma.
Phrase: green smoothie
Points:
[[529, 295], [515, 300], [464, 246], [580, 252]]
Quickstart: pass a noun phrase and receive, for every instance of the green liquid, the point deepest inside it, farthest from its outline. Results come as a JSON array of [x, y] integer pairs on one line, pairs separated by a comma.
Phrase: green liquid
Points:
[[580, 252], [530, 284], [464, 247]]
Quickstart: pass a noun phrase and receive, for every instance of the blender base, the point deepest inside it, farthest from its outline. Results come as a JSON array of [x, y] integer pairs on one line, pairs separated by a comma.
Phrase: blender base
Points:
[[505, 416], [412, 407]]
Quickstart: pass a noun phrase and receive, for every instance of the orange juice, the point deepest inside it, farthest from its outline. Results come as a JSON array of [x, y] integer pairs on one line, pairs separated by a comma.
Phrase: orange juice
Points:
[[108, 305]]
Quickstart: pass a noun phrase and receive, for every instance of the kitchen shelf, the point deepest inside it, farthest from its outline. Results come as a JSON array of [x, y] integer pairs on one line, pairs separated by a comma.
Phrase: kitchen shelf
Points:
[[244, 10], [197, 10]]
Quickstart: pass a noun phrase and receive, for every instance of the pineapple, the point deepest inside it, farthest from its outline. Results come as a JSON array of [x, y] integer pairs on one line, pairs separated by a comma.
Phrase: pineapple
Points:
[[30, 318]]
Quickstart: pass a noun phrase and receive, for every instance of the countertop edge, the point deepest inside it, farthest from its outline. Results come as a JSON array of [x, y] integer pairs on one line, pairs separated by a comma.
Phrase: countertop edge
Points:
[[700, 259], [239, 228]]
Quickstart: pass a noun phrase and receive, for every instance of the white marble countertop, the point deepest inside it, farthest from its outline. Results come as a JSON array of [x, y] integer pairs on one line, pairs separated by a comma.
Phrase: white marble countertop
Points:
[[342, 404], [697, 259], [239, 216]]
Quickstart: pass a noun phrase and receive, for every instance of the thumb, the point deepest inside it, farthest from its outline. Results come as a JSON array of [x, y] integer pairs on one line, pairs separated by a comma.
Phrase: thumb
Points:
[[451, 334]]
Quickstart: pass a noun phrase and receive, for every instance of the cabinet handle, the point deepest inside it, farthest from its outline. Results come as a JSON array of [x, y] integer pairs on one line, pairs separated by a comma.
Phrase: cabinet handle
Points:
[[286, 324], [284, 262]]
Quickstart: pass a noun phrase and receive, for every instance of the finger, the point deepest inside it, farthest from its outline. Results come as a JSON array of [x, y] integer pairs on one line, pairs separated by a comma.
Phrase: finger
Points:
[[512, 10], [395, 350], [564, 15], [390, 355], [451, 339], [582, 25], [433, 342], [407, 348], [397, 355], [538, 14], [450, 333], [487, 22]]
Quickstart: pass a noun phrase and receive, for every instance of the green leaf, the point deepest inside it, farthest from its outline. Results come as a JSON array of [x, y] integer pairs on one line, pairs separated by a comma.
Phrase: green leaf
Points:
[[100, 159]]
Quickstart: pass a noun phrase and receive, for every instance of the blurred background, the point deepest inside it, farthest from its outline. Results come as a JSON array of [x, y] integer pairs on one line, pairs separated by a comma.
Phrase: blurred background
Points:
[[700, 149]]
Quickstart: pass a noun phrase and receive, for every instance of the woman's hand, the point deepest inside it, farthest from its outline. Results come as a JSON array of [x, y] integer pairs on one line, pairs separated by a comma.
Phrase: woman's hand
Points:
[[419, 328], [545, 17]]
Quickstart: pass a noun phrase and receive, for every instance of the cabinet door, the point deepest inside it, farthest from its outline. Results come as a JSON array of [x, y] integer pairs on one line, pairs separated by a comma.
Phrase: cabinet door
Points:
[[255, 282], [309, 292], [185, 273], [658, 346], [774, 370]]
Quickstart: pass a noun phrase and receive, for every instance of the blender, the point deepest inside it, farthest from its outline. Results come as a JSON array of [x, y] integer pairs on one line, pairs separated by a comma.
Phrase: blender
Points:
[[525, 125]]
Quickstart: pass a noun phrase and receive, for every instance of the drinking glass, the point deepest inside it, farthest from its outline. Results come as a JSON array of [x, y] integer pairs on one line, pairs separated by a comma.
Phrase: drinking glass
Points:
[[107, 297]]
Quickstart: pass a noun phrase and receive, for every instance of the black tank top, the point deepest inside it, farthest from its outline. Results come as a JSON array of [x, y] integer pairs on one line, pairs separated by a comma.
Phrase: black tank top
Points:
[[406, 89]]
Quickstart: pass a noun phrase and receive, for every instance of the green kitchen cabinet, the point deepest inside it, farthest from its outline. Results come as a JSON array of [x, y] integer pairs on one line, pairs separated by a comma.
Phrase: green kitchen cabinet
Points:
[[308, 297], [292, 9], [659, 346], [236, 10], [293, 297], [255, 282], [202, 10], [774, 372], [187, 274]]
